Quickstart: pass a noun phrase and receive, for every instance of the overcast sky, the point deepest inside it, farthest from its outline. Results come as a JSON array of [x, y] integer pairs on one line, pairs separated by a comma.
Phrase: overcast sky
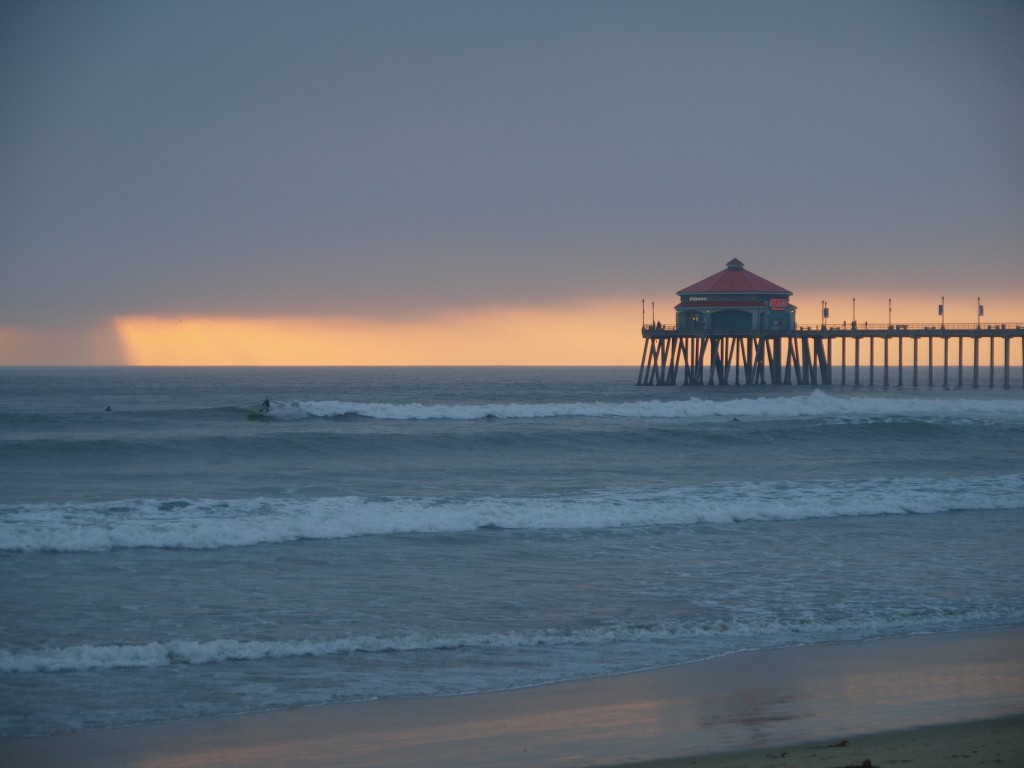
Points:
[[394, 159]]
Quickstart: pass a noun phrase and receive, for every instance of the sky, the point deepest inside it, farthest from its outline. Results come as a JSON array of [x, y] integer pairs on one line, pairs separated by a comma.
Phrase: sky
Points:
[[447, 182]]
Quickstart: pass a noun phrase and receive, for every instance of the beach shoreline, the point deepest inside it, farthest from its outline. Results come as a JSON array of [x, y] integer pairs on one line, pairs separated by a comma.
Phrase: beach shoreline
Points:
[[970, 743], [969, 685]]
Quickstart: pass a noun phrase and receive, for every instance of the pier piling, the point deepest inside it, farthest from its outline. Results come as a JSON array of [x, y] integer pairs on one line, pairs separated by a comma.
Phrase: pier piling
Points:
[[804, 356]]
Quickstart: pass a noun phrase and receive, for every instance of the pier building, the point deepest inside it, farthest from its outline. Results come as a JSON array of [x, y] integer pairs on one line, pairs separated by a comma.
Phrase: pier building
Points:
[[735, 300], [737, 327]]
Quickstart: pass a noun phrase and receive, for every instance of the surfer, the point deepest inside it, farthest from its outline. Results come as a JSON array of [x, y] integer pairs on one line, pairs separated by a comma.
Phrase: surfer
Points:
[[265, 406]]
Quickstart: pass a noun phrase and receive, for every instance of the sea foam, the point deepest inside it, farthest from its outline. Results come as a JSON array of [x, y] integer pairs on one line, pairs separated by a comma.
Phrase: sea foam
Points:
[[193, 652], [816, 404], [210, 524]]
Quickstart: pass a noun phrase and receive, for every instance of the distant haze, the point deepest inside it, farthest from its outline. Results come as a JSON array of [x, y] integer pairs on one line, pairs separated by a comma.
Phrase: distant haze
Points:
[[350, 171]]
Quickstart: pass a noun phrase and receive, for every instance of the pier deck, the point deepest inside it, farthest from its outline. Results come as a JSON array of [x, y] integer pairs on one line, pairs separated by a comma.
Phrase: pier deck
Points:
[[806, 356]]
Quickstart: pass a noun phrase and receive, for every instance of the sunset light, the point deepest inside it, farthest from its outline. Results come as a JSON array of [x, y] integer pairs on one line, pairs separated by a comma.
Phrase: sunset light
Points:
[[602, 333]]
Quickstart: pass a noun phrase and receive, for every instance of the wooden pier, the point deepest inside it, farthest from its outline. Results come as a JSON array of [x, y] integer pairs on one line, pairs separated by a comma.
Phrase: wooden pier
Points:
[[926, 355]]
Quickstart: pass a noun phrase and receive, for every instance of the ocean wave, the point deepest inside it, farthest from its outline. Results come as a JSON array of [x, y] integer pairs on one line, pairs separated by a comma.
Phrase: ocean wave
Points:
[[196, 652], [815, 404], [211, 524]]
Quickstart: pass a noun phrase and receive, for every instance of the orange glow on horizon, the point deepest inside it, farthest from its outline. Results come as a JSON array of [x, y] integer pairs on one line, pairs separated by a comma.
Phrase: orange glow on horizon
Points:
[[601, 333]]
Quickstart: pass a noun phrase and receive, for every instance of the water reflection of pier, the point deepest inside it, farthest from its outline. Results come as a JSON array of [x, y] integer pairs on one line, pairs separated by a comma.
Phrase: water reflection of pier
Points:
[[929, 355]]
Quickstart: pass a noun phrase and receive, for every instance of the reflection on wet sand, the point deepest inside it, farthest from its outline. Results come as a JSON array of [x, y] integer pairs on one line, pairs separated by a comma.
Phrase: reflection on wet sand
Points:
[[748, 700]]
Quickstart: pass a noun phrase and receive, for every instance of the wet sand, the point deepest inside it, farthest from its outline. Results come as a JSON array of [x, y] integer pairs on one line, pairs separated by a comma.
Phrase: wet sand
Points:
[[950, 699], [984, 742]]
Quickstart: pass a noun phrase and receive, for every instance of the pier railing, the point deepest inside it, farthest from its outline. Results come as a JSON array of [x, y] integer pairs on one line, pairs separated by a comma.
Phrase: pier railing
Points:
[[659, 327], [915, 327]]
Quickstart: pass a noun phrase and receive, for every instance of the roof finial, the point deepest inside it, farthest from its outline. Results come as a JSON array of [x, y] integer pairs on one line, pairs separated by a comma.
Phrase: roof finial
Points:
[[735, 264]]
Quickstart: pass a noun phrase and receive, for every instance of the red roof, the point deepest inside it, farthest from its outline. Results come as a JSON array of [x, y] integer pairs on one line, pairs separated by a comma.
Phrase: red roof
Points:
[[734, 279]]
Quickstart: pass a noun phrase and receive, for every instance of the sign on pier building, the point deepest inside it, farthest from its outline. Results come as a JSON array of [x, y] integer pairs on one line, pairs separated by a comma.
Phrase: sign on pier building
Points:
[[735, 300]]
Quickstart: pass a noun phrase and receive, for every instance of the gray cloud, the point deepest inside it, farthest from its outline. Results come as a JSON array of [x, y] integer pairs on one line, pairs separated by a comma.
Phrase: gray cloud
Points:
[[400, 157]]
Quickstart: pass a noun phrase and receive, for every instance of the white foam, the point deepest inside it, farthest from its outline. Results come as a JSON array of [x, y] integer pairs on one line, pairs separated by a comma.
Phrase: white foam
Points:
[[814, 404], [209, 524], [192, 652]]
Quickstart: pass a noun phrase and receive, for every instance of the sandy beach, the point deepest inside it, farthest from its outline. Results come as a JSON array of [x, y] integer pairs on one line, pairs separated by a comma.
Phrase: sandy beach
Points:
[[949, 699], [998, 741]]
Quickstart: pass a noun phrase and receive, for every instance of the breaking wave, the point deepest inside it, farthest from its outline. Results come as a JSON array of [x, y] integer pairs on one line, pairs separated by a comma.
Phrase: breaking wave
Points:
[[785, 631], [211, 524], [815, 404]]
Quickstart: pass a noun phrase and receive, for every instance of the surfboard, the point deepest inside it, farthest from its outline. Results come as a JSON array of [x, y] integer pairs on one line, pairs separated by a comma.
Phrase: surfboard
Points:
[[258, 412]]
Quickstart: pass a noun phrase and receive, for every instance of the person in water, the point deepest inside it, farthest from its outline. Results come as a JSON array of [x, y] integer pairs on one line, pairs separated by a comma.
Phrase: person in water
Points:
[[265, 406]]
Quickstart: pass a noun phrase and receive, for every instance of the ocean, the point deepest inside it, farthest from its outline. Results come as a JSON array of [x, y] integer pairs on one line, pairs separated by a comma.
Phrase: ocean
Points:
[[409, 532]]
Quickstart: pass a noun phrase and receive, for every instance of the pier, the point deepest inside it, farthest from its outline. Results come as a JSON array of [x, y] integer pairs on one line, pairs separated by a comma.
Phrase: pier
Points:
[[926, 355], [736, 327]]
